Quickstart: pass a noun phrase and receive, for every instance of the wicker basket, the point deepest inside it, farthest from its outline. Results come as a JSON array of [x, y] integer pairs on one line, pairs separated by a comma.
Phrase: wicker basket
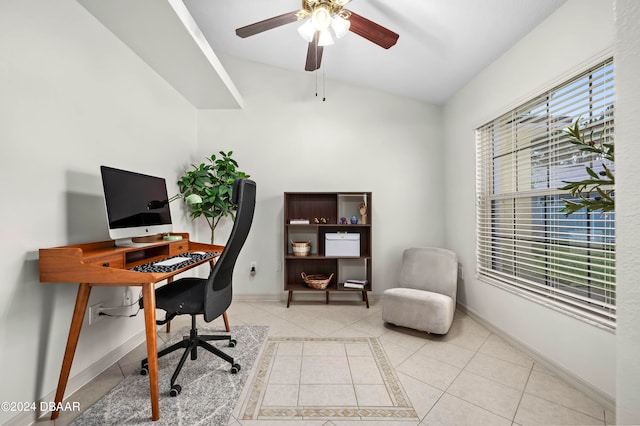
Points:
[[301, 248], [317, 281]]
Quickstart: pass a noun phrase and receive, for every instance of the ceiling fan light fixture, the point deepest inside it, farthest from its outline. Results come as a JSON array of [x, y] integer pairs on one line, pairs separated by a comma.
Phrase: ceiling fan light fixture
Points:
[[306, 31], [340, 26], [321, 17], [325, 38]]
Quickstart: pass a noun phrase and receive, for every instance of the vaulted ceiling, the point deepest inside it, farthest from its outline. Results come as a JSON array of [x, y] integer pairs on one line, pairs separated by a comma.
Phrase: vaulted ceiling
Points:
[[442, 43]]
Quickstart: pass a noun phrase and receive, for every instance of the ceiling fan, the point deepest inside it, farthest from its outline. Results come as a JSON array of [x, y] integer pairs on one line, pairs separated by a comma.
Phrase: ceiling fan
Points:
[[323, 15]]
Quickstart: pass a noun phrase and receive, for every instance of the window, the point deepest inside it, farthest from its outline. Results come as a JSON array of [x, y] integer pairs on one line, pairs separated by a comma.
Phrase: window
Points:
[[524, 241]]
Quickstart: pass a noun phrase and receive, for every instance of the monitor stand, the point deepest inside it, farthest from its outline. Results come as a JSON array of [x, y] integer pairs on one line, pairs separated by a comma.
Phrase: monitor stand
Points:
[[131, 242]]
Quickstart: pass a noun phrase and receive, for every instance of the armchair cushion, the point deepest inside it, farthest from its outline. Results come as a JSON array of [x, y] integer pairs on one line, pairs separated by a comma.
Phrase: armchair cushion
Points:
[[418, 309]]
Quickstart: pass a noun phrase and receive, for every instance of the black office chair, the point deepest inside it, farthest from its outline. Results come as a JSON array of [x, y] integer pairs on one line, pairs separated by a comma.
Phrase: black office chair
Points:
[[211, 296]]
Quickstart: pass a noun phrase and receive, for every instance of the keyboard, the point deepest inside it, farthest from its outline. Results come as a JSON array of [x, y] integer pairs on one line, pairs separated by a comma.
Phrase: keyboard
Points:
[[173, 263]]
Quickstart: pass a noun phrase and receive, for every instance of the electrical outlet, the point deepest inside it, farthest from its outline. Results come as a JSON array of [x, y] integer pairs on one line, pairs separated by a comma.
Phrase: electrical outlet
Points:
[[94, 313], [127, 298]]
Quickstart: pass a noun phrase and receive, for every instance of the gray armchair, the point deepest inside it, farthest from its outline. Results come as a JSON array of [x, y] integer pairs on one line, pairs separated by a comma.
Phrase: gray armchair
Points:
[[425, 298]]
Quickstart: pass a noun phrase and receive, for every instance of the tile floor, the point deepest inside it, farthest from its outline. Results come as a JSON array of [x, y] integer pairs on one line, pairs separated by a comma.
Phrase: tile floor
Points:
[[339, 363]]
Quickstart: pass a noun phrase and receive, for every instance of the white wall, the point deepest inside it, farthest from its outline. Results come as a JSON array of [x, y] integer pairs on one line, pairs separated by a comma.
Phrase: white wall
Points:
[[357, 140], [73, 97], [627, 56], [576, 35]]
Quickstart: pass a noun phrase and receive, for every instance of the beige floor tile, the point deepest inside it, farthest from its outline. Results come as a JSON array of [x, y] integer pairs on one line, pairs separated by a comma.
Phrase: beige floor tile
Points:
[[288, 422], [321, 326], [281, 395], [274, 307], [537, 411], [404, 338], [351, 331], [552, 389], [373, 396], [453, 411], [485, 393], [377, 422], [498, 348], [501, 371], [446, 352], [289, 349], [259, 317], [422, 396], [364, 370], [396, 354], [327, 396], [467, 333], [131, 362], [357, 349], [323, 349], [290, 330], [430, 371], [285, 370], [321, 370], [372, 325]]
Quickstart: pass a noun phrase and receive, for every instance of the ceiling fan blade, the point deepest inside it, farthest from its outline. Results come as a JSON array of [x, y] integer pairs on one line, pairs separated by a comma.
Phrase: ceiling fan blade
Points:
[[267, 24], [371, 31], [314, 54]]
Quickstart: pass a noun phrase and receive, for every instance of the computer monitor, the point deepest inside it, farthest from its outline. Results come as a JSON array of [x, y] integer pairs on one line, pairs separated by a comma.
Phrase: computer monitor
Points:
[[137, 205]]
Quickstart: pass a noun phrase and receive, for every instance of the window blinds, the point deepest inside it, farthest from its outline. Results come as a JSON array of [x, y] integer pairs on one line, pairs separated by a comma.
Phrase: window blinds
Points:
[[523, 240]]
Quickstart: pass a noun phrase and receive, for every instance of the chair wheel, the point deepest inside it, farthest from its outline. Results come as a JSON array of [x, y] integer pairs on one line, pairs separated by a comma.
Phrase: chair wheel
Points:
[[232, 343], [235, 368], [144, 370], [175, 390]]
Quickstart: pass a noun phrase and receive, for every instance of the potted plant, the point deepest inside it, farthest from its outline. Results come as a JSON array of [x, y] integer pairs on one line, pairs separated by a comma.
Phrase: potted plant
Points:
[[213, 183], [596, 193]]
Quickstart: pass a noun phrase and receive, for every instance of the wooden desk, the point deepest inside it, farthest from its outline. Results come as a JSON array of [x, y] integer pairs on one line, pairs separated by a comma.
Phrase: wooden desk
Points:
[[103, 264]]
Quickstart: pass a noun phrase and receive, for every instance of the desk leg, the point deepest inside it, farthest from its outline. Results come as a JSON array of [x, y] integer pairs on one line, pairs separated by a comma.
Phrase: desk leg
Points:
[[82, 300], [149, 297], [226, 321]]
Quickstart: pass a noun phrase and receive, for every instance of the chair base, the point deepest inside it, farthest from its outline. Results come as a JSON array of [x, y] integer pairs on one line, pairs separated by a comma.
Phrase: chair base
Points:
[[190, 345]]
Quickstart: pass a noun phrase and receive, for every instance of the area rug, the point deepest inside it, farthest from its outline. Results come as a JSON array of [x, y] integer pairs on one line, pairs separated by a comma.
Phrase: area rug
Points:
[[209, 390], [324, 378]]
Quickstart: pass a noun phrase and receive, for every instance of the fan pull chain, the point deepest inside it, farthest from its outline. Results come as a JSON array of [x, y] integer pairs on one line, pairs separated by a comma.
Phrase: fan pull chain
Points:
[[323, 87], [324, 97]]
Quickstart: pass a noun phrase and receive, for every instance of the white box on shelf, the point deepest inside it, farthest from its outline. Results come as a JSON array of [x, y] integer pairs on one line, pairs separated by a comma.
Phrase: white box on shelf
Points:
[[342, 244]]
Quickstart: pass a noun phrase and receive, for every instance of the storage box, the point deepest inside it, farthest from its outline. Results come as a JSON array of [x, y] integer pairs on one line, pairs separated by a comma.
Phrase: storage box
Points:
[[342, 244]]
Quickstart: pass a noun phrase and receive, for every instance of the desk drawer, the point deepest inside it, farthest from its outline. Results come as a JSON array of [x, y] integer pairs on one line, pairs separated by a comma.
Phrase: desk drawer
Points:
[[178, 247], [112, 261]]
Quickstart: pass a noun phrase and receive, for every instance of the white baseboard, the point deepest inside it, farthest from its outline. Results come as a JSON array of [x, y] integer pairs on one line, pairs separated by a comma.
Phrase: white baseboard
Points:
[[594, 393]]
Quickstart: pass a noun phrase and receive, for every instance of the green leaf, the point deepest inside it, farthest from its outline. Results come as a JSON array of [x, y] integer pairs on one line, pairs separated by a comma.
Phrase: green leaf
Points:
[[592, 173], [583, 189]]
